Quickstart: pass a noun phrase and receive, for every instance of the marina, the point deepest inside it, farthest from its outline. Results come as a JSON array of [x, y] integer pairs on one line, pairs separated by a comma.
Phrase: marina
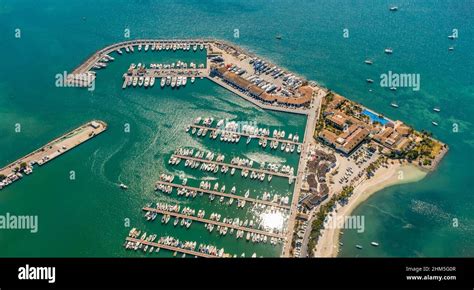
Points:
[[236, 166], [222, 194], [129, 242], [213, 222], [218, 131]]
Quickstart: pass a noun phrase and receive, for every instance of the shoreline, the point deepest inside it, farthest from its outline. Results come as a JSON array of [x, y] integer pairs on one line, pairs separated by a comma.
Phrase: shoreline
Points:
[[328, 243]]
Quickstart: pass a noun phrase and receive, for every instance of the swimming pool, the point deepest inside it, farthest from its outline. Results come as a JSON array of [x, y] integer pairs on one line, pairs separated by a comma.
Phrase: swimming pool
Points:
[[374, 117]]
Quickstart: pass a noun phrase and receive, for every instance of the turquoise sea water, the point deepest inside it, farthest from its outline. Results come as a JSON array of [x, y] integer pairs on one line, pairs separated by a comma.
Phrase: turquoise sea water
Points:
[[86, 217]]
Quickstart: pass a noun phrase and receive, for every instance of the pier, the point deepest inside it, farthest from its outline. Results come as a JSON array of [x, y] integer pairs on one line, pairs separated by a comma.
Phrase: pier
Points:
[[203, 220], [218, 193], [170, 248], [50, 151], [258, 170], [281, 140]]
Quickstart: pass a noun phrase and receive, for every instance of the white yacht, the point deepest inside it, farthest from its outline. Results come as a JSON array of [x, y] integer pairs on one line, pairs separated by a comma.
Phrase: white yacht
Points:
[[163, 82], [152, 81], [388, 51], [184, 80]]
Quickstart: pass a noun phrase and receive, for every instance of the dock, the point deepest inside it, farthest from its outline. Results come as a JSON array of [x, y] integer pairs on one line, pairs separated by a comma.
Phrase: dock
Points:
[[203, 220], [258, 170], [50, 151], [171, 248], [281, 140], [218, 193]]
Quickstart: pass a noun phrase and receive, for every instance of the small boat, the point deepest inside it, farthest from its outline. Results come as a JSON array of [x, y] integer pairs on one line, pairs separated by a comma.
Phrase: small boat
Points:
[[393, 88], [163, 82], [278, 37], [437, 110], [388, 51], [369, 81], [193, 79], [452, 36], [451, 48], [374, 244], [123, 186], [368, 61], [393, 8], [395, 105], [359, 247], [434, 123], [152, 81]]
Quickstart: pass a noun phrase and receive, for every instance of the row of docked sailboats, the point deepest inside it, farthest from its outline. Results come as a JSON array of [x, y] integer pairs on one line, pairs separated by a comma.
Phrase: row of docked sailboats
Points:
[[158, 46], [144, 241], [140, 81], [174, 81]]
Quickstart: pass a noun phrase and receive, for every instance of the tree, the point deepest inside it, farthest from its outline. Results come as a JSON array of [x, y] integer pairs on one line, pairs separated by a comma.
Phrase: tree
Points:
[[2, 177], [23, 165]]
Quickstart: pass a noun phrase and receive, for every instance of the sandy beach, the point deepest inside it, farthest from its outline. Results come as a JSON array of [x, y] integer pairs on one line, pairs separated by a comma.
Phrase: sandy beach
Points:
[[328, 243]]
